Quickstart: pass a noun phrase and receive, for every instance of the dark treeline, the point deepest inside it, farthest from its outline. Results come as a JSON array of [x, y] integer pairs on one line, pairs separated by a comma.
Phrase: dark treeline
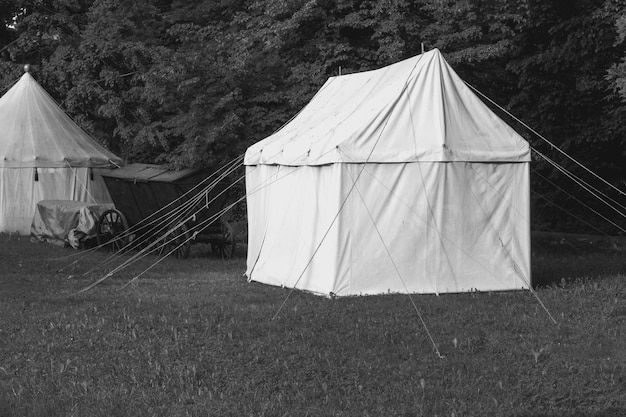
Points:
[[193, 83]]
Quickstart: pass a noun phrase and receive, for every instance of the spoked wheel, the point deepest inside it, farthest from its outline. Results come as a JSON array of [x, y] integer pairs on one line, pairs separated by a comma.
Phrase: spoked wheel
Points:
[[178, 241], [225, 246], [112, 228]]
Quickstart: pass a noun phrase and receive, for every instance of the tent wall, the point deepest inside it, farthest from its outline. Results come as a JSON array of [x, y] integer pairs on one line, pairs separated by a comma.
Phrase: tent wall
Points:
[[421, 227], [289, 212], [19, 192]]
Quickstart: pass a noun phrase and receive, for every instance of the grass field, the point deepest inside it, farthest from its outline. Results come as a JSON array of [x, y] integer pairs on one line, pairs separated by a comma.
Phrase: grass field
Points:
[[194, 338]]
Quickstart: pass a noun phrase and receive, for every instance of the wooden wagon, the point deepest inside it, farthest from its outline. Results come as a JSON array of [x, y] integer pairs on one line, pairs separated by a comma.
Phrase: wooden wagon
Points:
[[153, 203]]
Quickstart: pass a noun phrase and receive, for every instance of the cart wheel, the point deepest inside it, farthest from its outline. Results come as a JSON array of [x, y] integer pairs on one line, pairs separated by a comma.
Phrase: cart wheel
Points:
[[179, 236], [111, 232], [225, 247]]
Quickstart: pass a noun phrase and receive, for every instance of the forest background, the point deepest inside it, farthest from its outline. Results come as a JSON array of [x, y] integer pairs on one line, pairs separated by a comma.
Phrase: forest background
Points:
[[193, 83]]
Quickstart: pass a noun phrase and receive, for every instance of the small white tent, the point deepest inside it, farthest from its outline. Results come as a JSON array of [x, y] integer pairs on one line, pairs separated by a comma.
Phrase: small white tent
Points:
[[44, 155], [393, 180]]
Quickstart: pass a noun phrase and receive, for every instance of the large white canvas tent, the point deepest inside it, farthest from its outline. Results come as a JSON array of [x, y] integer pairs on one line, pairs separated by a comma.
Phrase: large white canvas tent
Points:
[[393, 180], [44, 155]]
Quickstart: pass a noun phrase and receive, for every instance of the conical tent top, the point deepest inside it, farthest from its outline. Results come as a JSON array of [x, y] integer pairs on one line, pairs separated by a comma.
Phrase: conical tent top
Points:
[[35, 132]]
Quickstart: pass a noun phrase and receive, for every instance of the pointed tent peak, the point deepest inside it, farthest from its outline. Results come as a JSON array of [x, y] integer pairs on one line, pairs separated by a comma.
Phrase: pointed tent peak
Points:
[[403, 66], [417, 109], [26, 78], [434, 51], [37, 133]]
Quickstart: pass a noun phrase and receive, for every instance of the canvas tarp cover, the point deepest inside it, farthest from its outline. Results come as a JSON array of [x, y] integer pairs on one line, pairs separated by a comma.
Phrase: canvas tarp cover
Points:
[[63, 222], [44, 155], [20, 193], [394, 180]]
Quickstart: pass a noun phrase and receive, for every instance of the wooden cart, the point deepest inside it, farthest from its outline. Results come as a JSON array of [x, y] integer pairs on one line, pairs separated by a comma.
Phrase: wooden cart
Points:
[[143, 193]]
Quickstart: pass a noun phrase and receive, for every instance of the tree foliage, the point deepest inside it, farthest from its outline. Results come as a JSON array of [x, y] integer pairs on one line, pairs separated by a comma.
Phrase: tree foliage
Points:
[[193, 83], [617, 72]]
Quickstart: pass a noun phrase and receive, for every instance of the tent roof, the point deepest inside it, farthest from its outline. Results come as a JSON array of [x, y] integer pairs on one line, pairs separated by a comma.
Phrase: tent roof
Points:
[[418, 109], [150, 172], [35, 132]]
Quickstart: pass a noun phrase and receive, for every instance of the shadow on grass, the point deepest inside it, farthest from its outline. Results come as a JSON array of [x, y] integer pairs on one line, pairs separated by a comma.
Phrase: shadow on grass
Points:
[[561, 258], [611, 412]]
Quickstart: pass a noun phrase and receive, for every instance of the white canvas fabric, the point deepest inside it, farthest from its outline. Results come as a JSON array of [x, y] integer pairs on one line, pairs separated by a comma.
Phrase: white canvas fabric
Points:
[[394, 180], [415, 110], [44, 155], [66, 222]]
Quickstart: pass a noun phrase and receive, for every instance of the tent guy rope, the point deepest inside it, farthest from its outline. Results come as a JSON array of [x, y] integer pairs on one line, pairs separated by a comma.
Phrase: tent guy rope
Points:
[[552, 145], [341, 207], [353, 186], [399, 274], [156, 220], [587, 206]]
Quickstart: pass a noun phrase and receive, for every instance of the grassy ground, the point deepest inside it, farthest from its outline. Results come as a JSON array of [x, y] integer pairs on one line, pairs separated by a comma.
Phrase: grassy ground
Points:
[[194, 338]]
